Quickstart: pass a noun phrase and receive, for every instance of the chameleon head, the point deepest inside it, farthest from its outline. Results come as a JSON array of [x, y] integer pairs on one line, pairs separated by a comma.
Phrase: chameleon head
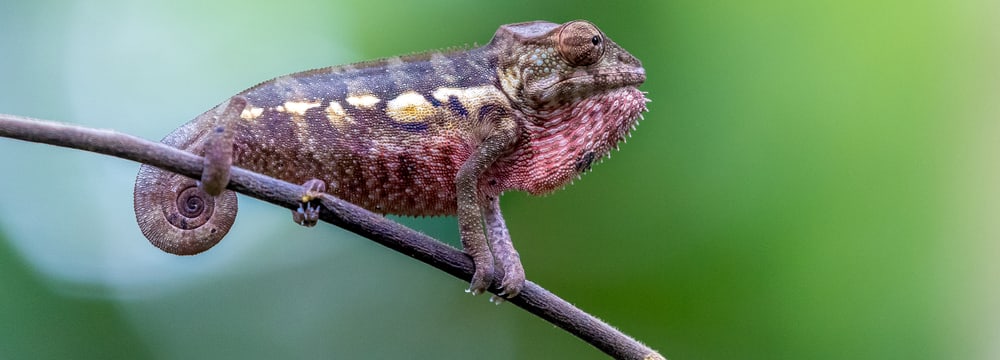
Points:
[[577, 91], [551, 65]]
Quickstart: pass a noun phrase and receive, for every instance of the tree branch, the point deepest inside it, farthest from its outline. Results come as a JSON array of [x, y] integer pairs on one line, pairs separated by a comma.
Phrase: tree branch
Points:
[[533, 298]]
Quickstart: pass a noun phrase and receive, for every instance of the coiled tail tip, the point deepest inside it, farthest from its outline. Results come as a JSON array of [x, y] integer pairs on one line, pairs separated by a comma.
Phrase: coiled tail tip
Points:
[[177, 216]]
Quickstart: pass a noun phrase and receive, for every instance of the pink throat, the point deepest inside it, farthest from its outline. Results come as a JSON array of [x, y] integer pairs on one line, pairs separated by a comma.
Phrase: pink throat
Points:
[[570, 139]]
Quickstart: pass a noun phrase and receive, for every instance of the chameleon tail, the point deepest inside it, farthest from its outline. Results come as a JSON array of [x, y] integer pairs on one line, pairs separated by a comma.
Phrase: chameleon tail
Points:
[[179, 217], [173, 211]]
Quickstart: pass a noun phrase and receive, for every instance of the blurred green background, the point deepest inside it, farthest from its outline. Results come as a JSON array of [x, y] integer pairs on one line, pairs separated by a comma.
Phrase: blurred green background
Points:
[[814, 180]]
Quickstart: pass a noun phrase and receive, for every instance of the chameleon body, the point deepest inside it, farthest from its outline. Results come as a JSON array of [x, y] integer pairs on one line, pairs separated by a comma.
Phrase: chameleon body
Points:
[[436, 133]]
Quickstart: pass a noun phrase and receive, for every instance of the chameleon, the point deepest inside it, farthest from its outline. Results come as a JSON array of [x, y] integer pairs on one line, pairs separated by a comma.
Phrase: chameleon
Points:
[[433, 133]]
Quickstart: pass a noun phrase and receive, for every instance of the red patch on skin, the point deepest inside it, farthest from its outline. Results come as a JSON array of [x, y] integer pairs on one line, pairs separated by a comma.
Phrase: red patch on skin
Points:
[[558, 139]]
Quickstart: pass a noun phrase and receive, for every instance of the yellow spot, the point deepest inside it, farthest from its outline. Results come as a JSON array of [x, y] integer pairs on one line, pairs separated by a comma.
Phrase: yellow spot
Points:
[[298, 107], [366, 101], [336, 109], [409, 107], [251, 113], [470, 95], [337, 116]]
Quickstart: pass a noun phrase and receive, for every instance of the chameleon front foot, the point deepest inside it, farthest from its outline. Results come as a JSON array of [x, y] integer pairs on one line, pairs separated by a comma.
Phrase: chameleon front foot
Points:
[[513, 274], [505, 256], [482, 277], [308, 212], [512, 281]]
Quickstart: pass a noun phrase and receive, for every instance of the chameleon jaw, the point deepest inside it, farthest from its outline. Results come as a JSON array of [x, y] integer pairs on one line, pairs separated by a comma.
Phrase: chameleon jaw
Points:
[[594, 84]]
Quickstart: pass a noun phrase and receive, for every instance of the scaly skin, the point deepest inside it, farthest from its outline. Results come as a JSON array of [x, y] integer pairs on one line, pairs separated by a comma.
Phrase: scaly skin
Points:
[[437, 133]]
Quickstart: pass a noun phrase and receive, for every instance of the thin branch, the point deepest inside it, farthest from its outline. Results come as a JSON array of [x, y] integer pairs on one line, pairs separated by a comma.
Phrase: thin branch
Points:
[[533, 298]]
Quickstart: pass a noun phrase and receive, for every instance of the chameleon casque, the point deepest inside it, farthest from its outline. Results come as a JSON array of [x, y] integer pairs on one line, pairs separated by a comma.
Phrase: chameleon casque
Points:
[[434, 133]]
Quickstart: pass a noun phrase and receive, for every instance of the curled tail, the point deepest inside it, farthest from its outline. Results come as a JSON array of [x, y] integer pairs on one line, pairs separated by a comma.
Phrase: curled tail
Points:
[[179, 217], [173, 211]]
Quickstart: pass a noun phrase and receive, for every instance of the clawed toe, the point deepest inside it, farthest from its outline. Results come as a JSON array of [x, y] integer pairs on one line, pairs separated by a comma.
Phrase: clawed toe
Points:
[[477, 287], [513, 274], [513, 283], [510, 287], [306, 216], [308, 212], [481, 279]]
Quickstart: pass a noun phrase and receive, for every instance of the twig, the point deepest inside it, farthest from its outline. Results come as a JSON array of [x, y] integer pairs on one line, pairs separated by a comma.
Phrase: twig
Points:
[[533, 298]]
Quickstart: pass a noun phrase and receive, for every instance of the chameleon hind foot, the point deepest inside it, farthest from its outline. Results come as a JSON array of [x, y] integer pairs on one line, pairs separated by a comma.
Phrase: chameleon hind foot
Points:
[[513, 274], [308, 212], [506, 258], [218, 147]]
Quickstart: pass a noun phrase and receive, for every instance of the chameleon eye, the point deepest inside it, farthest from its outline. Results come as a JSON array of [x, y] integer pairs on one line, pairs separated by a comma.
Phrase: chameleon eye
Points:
[[581, 43]]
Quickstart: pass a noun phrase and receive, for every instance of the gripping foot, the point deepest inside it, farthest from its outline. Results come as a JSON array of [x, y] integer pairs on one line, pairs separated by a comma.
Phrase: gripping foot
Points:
[[308, 212]]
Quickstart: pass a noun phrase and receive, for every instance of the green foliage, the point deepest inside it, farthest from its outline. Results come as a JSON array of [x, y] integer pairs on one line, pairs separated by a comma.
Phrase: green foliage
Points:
[[40, 324]]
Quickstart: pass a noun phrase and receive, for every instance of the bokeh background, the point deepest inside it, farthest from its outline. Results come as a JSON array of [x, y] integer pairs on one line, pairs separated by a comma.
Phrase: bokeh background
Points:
[[814, 180]]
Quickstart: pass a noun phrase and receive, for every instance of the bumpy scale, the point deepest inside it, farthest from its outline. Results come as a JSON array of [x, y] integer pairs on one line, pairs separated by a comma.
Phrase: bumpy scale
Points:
[[436, 133]]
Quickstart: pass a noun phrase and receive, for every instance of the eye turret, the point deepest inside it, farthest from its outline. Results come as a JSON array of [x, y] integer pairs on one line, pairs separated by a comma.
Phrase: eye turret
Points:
[[581, 43]]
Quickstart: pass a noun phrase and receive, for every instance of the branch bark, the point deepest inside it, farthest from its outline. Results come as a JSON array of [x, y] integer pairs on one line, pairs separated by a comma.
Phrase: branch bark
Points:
[[533, 297]]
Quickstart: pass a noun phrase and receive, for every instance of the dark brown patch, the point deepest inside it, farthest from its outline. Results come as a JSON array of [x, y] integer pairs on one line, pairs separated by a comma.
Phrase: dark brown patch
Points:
[[584, 162]]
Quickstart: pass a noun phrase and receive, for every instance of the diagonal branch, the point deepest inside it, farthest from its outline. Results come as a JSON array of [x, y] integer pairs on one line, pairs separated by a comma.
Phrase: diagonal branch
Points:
[[533, 298]]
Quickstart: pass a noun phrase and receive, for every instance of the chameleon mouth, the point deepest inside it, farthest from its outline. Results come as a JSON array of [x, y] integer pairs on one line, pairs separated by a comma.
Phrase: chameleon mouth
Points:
[[586, 84], [608, 78]]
